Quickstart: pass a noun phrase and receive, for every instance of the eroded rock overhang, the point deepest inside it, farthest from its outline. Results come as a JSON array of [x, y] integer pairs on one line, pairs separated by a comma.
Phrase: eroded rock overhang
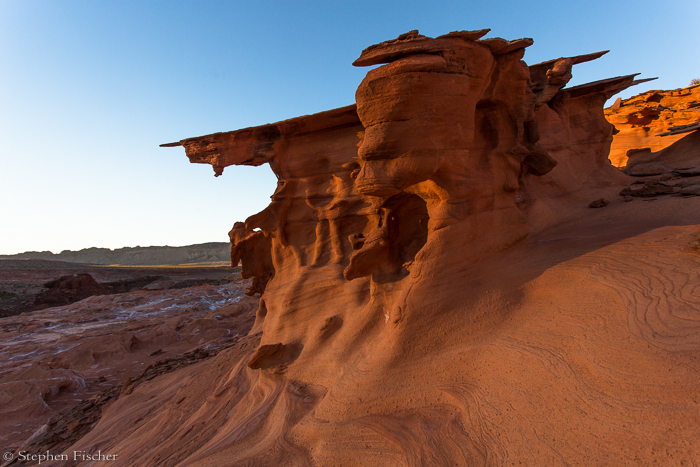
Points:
[[450, 143], [255, 146]]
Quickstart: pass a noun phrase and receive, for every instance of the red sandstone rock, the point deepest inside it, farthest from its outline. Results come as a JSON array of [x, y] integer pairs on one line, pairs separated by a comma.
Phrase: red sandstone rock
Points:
[[599, 203], [653, 168], [409, 321], [684, 153], [453, 132], [252, 250], [643, 119], [66, 290]]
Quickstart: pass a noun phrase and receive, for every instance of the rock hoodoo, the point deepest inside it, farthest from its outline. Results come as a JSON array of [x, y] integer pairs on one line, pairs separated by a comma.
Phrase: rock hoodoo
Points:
[[451, 138], [405, 317]]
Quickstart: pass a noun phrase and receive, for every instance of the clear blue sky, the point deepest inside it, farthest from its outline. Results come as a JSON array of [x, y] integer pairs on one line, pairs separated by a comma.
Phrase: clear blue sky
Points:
[[89, 89]]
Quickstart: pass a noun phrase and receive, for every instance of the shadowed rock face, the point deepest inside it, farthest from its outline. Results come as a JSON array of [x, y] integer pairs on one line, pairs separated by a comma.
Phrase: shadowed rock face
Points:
[[252, 250], [454, 133]]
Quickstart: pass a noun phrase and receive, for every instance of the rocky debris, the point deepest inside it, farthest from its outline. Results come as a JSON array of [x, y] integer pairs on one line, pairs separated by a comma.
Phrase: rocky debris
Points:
[[649, 189], [692, 172], [599, 203], [682, 182], [654, 120], [653, 168], [675, 181], [677, 130]]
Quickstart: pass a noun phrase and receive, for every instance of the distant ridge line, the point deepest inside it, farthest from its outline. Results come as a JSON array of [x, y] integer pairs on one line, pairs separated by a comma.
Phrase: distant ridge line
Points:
[[212, 252]]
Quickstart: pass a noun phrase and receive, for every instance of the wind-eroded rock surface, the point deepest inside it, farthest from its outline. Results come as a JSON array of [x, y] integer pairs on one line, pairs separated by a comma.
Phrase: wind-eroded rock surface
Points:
[[572, 348], [651, 122], [435, 289]]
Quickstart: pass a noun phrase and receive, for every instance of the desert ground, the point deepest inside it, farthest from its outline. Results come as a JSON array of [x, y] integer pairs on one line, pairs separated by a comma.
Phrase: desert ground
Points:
[[102, 336], [23, 282]]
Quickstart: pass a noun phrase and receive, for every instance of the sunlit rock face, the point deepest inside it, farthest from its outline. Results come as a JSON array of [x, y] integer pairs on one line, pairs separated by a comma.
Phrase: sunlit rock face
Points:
[[404, 316], [652, 121], [450, 143], [443, 144]]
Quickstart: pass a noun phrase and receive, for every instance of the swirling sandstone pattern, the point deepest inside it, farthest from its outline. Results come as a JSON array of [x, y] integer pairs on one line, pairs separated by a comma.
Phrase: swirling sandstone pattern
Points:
[[428, 305]]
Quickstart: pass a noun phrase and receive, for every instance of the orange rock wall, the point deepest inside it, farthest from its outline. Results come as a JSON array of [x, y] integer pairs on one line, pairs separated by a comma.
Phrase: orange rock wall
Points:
[[640, 120]]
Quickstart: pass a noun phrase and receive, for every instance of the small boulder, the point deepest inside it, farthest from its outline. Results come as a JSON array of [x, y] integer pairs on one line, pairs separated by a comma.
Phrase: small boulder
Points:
[[599, 203], [66, 290]]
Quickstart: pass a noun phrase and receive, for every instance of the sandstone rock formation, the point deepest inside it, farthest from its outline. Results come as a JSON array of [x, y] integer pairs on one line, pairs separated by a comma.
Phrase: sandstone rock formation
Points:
[[409, 319], [68, 289], [652, 121], [253, 251], [453, 130], [683, 154]]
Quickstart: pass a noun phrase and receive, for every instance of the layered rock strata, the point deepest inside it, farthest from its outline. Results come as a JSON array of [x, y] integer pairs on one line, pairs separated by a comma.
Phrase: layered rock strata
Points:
[[651, 122], [455, 134]]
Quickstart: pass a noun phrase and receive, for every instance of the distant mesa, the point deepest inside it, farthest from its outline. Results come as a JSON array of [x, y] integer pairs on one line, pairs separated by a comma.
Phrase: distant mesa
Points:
[[214, 252]]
